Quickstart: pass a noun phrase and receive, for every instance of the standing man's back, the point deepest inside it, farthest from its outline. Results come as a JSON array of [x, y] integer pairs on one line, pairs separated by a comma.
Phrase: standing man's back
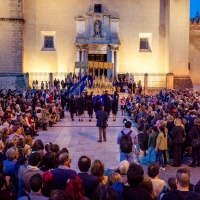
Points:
[[102, 118], [126, 140]]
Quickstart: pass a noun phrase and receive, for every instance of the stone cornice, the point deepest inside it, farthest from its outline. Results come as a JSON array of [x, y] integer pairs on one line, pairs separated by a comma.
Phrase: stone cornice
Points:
[[79, 18], [114, 19], [92, 13], [12, 19]]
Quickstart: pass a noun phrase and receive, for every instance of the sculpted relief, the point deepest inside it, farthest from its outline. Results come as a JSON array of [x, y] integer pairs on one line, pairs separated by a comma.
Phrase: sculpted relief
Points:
[[97, 28]]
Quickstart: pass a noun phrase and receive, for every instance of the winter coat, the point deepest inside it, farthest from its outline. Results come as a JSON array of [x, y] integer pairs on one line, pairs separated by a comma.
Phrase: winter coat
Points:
[[101, 117], [161, 141], [194, 133], [177, 134]]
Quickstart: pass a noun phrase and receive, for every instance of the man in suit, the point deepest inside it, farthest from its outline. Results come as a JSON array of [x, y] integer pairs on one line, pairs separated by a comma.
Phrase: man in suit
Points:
[[90, 182], [102, 118]]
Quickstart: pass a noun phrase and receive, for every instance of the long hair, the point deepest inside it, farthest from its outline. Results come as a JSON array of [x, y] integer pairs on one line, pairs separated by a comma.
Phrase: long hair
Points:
[[97, 169], [147, 185], [74, 189], [162, 129], [48, 181]]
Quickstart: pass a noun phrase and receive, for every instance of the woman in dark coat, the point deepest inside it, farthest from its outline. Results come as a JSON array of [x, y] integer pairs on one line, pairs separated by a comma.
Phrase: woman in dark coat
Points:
[[177, 134], [97, 105], [90, 108], [114, 109], [80, 104], [107, 106], [72, 107], [195, 134]]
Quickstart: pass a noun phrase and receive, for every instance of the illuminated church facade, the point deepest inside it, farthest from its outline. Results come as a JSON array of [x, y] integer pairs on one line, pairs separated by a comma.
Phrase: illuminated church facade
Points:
[[137, 36]]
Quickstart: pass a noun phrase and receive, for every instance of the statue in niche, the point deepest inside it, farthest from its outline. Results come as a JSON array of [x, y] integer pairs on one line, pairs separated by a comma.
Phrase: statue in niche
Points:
[[97, 28]]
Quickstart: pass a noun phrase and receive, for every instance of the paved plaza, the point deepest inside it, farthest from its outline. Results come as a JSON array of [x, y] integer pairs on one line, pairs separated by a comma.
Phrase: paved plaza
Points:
[[81, 139]]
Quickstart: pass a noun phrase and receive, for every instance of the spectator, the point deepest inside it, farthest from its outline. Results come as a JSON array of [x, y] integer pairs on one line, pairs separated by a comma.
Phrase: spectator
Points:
[[127, 138], [182, 192], [161, 146], [171, 186], [74, 189], [90, 182], [2, 154], [63, 172], [152, 145], [36, 184], [48, 183], [142, 139], [97, 169], [48, 161], [147, 185], [177, 134], [113, 178], [122, 170], [25, 172], [135, 177], [57, 195], [158, 184], [194, 134], [105, 192], [4, 192]]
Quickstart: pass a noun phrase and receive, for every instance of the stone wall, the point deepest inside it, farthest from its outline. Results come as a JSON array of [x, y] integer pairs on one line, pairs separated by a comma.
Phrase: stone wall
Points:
[[135, 17], [195, 55], [13, 81], [11, 35]]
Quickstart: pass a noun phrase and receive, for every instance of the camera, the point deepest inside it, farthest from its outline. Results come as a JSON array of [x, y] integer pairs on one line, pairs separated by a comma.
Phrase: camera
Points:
[[124, 121]]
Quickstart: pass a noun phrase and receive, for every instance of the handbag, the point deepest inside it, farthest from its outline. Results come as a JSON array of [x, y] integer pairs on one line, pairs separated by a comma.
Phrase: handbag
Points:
[[195, 143]]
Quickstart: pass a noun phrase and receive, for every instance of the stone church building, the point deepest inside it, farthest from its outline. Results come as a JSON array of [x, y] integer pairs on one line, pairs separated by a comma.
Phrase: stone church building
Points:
[[151, 37]]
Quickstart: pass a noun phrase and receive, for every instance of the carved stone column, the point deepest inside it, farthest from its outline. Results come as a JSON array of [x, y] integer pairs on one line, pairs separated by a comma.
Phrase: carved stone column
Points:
[[116, 63], [77, 71], [82, 60], [170, 81], [145, 83], [113, 61]]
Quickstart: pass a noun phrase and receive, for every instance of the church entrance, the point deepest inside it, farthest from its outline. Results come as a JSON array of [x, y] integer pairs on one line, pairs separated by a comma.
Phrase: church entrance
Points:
[[98, 58]]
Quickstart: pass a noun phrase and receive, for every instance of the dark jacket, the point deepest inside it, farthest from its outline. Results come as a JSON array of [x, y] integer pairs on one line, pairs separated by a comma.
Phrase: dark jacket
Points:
[[194, 133], [61, 176], [177, 134], [90, 107], [97, 106], [136, 193], [72, 106], [180, 195], [90, 183], [101, 117], [114, 107], [80, 105]]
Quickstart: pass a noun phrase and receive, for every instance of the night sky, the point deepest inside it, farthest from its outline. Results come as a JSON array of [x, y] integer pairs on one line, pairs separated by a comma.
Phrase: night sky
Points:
[[194, 6]]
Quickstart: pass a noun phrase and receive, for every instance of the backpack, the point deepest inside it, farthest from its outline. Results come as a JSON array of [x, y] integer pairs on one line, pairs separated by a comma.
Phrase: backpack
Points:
[[126, 144]]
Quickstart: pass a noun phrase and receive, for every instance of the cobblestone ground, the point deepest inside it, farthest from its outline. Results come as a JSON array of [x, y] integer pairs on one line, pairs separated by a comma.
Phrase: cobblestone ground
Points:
[[81, 139]]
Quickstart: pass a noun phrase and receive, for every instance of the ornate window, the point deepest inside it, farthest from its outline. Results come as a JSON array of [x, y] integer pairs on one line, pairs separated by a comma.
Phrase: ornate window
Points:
[[48, 42], [145, 42], [97, 8]]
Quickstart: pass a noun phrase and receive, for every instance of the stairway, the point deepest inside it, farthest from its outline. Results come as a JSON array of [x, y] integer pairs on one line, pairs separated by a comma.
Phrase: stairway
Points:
[[78, 88]]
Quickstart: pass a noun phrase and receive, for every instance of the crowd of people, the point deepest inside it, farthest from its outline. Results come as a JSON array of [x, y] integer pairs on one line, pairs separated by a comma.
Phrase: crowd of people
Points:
[[168, 127]]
